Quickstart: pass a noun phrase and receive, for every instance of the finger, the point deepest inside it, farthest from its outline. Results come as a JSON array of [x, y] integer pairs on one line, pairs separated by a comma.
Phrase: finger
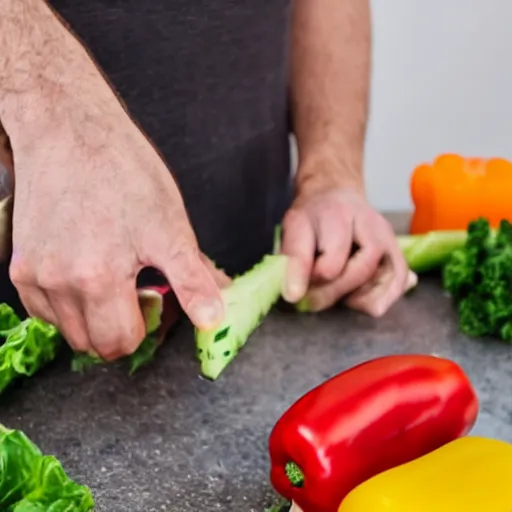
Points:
[[194, 286], [299, 243], [115, 324], [71, 321], [222, 280], [388, 285], [412, 281], [334, 235], [359, 270], [35, 302]]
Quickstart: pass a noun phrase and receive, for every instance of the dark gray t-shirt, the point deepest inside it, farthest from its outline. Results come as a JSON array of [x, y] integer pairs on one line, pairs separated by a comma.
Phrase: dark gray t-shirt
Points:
[[207, 80]]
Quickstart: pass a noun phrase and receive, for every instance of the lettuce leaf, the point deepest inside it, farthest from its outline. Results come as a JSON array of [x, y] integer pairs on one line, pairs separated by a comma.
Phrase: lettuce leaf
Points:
[[152, 304], [28, 346], [8, 318], [33, 482]]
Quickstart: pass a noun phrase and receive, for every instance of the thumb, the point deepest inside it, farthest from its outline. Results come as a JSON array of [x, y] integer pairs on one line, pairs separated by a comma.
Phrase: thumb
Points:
[[299, 243], [194, 286], [222, 280]]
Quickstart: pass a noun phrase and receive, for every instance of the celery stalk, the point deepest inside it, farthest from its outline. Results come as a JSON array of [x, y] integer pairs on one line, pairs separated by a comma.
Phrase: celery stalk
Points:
[[431, 250]]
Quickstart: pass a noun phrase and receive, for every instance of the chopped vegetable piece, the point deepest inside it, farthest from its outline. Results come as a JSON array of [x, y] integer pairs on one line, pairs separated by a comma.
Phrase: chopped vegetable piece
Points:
[[431, 250], [368, 419], [28, 346], [145, 353], [454, 190], [479, 279], [33, 482], [249, 298], [152, 303], [471, 474]]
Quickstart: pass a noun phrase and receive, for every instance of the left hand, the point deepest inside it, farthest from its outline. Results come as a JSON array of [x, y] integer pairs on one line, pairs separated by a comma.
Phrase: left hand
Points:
[[319, 231]]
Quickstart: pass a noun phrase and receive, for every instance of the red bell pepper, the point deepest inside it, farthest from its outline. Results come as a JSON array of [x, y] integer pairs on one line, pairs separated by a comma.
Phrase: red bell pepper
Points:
[[366, 420]]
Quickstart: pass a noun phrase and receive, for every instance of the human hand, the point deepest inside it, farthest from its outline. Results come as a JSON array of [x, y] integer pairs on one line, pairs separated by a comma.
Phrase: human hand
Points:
[[94, 204], [327, 224]]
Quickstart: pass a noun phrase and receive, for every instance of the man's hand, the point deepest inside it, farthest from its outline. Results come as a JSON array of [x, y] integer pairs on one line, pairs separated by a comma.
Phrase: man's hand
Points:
[[319, 233], [93, 203], [331, 62]]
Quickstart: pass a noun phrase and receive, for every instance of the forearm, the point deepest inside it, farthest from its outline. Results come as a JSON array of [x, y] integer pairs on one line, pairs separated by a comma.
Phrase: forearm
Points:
[[331, 54], [42, 64]]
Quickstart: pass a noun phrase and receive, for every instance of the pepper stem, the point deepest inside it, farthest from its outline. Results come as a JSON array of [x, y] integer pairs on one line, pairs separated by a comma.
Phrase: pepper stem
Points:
[[294, 474]]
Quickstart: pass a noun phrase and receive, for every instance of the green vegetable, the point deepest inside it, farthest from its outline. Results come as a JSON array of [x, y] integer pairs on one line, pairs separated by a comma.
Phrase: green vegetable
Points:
[[431, 250], [33, 482], [282, 506], [8, 318], [248, 300], [142, 356], [423, 253], [28, 346], [152, 307], [479, 279], [145, 353]]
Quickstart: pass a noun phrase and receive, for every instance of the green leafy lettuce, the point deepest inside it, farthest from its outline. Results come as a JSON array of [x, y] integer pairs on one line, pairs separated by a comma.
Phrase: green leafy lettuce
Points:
[[151, 302], [27, 346], [33, 482]]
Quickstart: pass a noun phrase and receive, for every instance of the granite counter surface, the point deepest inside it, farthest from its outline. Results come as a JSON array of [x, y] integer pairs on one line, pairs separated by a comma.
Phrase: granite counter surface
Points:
[[167, 440]]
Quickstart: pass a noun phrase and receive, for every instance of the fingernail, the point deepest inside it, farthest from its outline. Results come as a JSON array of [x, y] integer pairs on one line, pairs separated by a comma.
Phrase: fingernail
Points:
[[412, 281], [296, 284], [294, 290], [207, 314]]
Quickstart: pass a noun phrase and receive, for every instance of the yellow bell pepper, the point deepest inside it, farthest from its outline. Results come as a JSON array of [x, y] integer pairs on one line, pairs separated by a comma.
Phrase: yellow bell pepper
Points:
[[471, 474]]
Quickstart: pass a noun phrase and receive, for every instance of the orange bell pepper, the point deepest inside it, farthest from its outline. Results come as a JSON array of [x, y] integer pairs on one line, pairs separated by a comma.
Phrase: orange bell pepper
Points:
[[454, 190]]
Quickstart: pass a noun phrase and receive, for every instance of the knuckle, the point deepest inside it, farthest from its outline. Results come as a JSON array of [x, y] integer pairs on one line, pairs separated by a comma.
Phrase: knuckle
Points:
[[89, 279], [341, 211], [19, 273], [190, 277]]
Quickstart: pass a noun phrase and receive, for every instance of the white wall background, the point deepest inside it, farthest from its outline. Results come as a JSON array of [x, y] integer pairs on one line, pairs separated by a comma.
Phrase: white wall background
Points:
[[442, 82]]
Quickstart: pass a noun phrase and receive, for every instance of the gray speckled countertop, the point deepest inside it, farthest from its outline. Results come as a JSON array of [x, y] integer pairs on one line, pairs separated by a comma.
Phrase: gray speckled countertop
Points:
[[166, 440]]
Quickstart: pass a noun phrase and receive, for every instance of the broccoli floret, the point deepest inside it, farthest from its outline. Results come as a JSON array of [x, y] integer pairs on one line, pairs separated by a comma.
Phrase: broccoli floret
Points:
[[479, 279]]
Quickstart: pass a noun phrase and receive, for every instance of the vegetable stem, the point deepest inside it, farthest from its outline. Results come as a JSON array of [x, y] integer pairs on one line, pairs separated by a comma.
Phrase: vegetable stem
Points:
[[294, 474], [431, 250]]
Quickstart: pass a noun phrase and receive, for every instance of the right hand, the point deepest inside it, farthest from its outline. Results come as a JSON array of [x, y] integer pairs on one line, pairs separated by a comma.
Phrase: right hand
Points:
[[94, 204]]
